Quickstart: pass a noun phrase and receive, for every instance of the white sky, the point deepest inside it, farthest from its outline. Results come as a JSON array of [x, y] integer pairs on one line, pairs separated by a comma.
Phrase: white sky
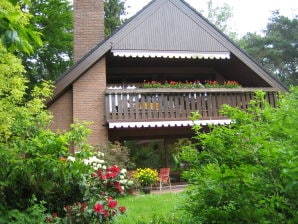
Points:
[[248, 15]]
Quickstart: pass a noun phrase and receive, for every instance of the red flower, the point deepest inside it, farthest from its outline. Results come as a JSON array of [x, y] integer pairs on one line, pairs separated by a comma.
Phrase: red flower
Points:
[[54, 215], [122, 209], [84, 205], [114, 169], [110, 175], [68, 208], [98, 208], [118, 186], [106, 213], [101, 175], [112, 204]]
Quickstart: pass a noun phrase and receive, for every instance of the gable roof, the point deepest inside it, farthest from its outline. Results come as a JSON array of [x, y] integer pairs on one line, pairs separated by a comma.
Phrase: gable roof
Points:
[[164, 26]]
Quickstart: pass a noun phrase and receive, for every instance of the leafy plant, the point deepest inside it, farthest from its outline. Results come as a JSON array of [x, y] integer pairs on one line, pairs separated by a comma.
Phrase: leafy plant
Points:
[[35, 213], [246, 172], [115, 153], [146, 176]]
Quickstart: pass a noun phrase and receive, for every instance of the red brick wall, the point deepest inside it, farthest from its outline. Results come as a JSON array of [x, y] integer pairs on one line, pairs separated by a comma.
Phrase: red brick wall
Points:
[[62, 112], [89, 101], [88, 26]]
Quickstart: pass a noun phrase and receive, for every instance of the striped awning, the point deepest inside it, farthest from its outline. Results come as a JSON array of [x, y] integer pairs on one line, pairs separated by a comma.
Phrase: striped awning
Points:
[[159, 124], [171, 54]]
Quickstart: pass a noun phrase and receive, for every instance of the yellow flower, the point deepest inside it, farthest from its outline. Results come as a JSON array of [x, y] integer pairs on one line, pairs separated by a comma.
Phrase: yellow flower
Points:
[[146, 176]]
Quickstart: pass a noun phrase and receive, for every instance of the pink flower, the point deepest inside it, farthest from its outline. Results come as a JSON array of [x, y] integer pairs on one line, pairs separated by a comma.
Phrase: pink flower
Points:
[[98, 208]]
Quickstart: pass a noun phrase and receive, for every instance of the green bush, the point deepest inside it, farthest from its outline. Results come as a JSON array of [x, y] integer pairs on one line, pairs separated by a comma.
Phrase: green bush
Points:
[[246, 172], [29, 151], [34, 214], [115, 153], [38, 168]]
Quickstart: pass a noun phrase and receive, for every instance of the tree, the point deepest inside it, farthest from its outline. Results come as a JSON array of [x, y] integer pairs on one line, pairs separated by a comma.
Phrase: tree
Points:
[[114, 9], [277, 48], [220, 16], [52, 18], [246, 172], [15, 31]]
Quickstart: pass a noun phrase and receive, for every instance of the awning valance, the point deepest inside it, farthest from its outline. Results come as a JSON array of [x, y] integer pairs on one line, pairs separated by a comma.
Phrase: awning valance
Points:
[[171, 54], [159, 124]]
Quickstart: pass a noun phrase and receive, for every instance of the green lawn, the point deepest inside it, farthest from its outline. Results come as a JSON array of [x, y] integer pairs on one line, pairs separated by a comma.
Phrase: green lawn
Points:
[[143, 208]]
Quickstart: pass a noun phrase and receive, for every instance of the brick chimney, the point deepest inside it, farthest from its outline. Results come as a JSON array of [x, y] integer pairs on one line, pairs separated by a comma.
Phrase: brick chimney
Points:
[[88, 26]]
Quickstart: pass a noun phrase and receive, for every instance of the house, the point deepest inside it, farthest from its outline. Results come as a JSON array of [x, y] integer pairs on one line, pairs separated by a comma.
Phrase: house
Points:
[[166, 41]]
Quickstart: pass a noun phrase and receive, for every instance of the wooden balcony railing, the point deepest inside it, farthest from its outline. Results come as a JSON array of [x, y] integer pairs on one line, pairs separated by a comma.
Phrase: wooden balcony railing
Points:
[[175, 104]]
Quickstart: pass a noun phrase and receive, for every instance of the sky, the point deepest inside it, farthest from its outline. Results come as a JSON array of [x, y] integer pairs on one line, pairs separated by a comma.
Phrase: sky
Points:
[[248, 15]]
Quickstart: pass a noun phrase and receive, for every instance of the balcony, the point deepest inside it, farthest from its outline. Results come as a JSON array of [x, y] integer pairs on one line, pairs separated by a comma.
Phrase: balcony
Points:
[[175, 105]]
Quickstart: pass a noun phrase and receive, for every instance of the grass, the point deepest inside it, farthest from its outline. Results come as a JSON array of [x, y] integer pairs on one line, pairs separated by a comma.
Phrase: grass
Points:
[[143, 208]]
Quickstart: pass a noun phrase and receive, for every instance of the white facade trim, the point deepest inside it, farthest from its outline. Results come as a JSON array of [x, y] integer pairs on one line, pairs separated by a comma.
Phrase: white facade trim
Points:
[[171, 54], [158, 124]]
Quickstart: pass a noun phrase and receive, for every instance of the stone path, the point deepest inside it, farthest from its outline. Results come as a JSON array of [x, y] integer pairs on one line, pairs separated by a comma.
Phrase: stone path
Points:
[[166, 189]]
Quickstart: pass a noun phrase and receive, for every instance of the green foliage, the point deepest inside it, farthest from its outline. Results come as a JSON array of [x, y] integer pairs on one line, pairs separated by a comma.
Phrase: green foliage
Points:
[[220, 16], [29, 150], [15, 31], [115, 153], [113, 10], [247, 172], [34, 214], [276, 48], [52, 18], [144, 155]]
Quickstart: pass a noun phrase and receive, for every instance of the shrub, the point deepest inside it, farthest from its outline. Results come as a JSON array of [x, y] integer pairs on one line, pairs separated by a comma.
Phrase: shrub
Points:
[[115, 153], [246, 172], [146, 176], [35, 213], [38, 168], [100, 186]]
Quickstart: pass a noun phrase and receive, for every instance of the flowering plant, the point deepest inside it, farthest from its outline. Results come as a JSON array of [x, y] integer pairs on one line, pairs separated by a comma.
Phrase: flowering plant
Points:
[[100, 185], [111, 180], [172, 84], [146, 176], [190, 84], [231, 84], [100, 211], [211, 84]]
